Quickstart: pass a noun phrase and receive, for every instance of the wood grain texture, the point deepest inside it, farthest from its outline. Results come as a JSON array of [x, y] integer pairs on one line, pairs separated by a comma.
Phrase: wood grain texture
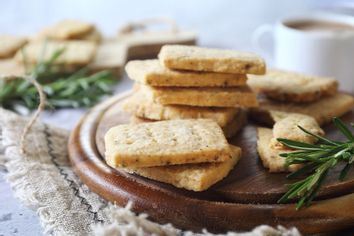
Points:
[[243, 200]]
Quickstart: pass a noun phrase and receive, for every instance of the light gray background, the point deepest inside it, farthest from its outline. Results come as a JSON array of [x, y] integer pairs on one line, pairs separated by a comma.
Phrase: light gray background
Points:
[[219, 23]]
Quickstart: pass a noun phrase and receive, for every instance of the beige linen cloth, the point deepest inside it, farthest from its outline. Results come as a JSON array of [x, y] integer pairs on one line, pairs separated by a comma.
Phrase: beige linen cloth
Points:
[[43, 180]]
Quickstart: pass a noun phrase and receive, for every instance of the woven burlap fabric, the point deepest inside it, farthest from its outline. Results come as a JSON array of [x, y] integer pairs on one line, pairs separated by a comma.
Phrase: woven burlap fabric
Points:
[[43, 180]]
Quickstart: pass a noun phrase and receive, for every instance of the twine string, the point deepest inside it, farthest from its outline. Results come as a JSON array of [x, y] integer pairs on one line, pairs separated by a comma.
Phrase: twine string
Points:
[[40, 108], [34, 118]]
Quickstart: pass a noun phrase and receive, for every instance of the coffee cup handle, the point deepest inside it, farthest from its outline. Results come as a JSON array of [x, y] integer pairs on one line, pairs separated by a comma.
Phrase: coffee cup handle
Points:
[[258, 36]]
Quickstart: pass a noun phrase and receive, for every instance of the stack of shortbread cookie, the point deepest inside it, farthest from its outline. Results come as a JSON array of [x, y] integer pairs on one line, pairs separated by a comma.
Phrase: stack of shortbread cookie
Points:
[[9, 45], [189, 82], [192, 154], [81, 41], [195, 96], [85, 47], [285, 92], [289, 99]]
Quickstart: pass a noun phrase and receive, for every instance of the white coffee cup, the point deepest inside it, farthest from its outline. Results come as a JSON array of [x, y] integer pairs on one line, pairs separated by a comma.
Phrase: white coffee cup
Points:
[[323, 53]]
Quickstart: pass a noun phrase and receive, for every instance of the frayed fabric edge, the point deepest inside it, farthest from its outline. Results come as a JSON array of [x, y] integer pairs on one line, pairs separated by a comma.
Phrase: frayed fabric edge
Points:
[[125, 222]]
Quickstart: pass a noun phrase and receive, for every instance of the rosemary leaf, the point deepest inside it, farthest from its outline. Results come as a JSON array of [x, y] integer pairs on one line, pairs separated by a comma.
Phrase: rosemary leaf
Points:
[[322, 139], [343, 128], [345, 171], [77, 89], [304, 170], [297, 145], [318, 160]]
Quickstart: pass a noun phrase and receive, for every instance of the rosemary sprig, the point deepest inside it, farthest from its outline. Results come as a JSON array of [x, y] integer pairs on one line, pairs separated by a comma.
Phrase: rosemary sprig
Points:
[[317, 160], [78, 89]]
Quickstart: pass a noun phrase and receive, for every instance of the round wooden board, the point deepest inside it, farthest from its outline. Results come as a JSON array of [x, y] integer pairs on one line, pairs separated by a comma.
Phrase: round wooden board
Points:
[[244, 199]]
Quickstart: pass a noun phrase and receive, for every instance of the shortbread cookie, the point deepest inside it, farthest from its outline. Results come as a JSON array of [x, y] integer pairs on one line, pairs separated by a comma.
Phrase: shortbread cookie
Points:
[[10, 44], [67, 29], [111, 55], [138, 120], [94, 36], [212, 60], [322, 110], [195, 177], [288, 128], [76, 53], [203, 97], [147, 44], [292, 87], [166, 143], [143, 106], [9, 67], [151, 72], [230, 129], [269, 155]]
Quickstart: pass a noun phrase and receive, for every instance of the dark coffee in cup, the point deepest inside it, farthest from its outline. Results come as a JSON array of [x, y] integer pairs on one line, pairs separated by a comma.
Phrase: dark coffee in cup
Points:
[[312, 25]]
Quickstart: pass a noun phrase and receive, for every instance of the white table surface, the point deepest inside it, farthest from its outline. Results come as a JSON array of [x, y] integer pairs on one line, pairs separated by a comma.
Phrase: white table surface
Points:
[[225, 24]]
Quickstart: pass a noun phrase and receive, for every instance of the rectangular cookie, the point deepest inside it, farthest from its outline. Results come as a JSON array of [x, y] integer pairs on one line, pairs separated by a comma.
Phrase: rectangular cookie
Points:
[[9, 67], [203, 97], [235, 125], [213, 60], [288, 128], [147, 44], [292, 87], [143, 106], [94, 36], [151, 72], [230, 129], [322, 110], [67, 29], [76, 53], [10, 44], [110, 55], [165, 143], [195, 177], [270, 155]]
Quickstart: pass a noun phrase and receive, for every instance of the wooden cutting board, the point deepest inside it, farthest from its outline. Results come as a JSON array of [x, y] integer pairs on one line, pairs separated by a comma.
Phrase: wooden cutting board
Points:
[[244, 199]]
